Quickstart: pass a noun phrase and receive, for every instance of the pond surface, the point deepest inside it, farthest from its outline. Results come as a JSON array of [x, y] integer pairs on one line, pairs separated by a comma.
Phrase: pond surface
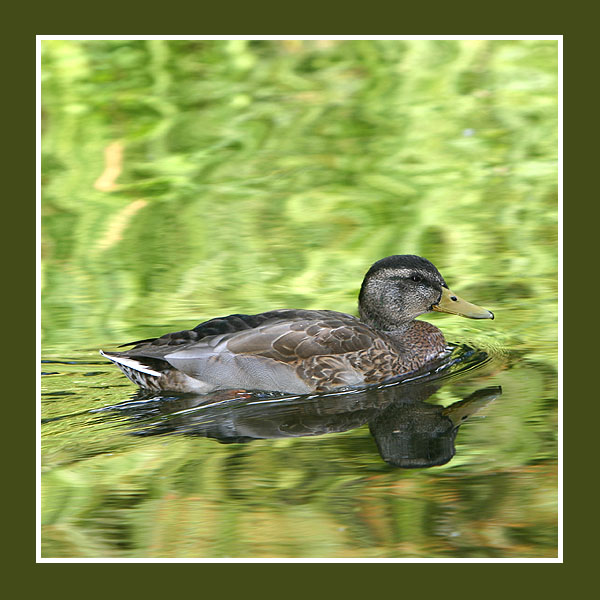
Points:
[[188, 180]]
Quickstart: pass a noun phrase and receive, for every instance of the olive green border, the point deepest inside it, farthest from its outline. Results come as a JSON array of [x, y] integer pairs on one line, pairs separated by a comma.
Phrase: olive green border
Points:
[[19, 257]]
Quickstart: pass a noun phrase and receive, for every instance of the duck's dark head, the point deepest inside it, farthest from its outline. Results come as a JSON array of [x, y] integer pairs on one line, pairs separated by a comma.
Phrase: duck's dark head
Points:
[[399, 288]]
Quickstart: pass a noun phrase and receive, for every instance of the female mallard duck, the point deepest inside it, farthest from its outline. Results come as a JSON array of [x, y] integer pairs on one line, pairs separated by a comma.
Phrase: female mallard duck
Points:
[[304, 351]]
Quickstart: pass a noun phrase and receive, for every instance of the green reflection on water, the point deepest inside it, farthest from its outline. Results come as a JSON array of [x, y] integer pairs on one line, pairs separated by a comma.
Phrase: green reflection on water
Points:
[[266, 175]]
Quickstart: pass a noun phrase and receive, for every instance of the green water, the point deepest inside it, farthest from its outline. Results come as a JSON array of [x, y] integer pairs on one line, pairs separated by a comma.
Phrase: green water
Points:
[[184, 180]]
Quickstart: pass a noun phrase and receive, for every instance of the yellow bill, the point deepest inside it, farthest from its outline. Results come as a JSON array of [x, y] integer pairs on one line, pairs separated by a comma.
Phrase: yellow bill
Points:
[[455, 305]]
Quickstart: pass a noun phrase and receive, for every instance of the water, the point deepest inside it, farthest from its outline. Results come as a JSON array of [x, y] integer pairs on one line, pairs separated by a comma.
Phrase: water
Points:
[[184, 181]]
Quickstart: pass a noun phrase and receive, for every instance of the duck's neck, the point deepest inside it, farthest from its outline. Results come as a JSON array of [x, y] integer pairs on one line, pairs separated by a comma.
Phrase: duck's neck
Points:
[[383, 320]]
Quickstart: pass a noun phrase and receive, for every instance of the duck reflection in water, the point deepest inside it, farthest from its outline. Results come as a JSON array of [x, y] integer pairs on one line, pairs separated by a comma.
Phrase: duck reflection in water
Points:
[[409, 432]]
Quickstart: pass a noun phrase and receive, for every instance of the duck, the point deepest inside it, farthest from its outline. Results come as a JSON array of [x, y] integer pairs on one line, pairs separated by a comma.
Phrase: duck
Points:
[[302, 351]]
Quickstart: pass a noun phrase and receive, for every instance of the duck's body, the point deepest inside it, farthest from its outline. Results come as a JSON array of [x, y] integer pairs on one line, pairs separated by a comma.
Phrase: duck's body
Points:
[[304, 351], [295, 351]]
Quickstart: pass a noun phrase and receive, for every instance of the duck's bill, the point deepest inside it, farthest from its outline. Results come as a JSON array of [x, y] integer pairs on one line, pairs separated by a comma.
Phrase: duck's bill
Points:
[[455, 305]]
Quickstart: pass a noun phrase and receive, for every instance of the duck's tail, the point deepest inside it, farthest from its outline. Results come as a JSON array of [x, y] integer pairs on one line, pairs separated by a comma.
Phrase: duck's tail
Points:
[[155, 374], [126, 362]]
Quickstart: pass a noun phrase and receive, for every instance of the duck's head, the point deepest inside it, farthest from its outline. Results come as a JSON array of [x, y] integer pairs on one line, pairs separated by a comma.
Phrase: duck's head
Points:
[[399, 288]]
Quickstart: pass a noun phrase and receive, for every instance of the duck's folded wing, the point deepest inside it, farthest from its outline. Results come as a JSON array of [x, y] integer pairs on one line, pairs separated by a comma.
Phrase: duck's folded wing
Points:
[[272, 352], [286, 340]]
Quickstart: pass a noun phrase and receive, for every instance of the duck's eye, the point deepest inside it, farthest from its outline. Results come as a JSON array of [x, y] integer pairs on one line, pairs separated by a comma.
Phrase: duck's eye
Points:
[[416, 278]]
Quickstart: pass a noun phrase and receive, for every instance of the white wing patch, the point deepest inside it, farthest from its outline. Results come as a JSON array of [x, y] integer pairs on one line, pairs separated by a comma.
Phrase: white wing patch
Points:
[[131, 363]]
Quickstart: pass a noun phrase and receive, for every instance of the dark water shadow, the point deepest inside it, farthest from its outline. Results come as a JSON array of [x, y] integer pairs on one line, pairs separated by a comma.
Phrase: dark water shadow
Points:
[[409, 431]]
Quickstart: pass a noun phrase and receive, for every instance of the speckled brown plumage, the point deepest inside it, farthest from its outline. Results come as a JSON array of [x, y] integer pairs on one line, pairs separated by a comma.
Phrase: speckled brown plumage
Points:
[[302, 351]]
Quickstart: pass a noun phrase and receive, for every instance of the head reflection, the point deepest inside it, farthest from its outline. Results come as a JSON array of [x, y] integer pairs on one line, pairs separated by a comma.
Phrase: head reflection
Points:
[[411, 433]]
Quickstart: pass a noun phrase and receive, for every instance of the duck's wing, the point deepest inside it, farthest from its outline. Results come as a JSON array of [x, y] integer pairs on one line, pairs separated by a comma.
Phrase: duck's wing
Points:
[[296, 351], [308, 331]]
